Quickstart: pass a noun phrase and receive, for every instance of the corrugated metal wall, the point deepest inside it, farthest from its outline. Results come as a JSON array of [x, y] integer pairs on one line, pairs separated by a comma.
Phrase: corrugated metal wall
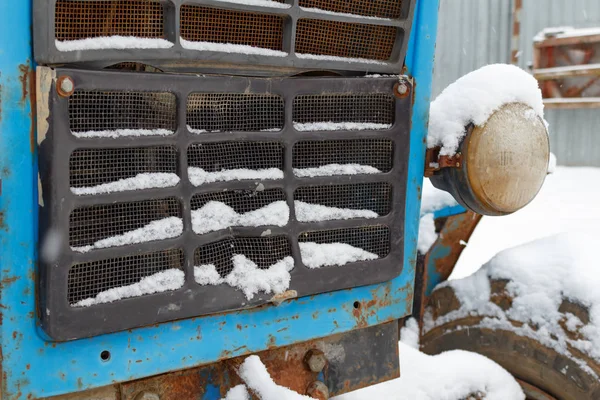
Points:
[[473, 33]]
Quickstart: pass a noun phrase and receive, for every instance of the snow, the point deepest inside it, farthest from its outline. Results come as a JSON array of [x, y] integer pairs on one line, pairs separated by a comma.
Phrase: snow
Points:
[[474, 98], [198, 176], [200, 131], [409, 334], [248, 277], [335, 169], [140, 181], [254, 373], [434, 199], [336, 58], [260, 3], [112, 42], [117, 133], [161, 229], [171, 279], [319, 11], [552, 164], [216, 215], [307, 212], [238, 392], [427, 234], [317, 255], [230, 48], [451, 375], [339, 126], [564, 32]]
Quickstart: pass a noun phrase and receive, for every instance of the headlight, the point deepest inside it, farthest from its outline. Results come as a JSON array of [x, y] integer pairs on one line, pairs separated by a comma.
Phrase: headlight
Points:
[[501, 165]]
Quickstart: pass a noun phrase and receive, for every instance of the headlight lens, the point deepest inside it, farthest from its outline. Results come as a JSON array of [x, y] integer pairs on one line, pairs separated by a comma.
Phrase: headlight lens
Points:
[[504, 162]]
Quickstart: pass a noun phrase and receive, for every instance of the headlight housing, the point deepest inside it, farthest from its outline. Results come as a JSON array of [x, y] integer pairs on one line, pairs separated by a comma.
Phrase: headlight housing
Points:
[[500, 166]]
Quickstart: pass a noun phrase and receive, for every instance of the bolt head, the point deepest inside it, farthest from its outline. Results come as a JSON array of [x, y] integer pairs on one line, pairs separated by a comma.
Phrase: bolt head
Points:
[[66, 86], [318, 390], [402, 88], [315, 360], [147, 396]]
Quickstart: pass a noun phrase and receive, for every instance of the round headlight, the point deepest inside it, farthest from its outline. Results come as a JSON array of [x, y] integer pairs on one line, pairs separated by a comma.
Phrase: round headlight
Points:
[[503, 163]]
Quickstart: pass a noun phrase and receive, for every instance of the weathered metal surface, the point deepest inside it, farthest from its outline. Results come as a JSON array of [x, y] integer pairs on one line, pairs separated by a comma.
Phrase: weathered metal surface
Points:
[[517, 9], [534, 393], [434, 162], [34, 368]]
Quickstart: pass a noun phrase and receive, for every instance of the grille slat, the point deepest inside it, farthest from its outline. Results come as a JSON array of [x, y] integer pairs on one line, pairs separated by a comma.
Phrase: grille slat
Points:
[[375, 197], [86, 280], [343, 39], [263, 251], [373, 108], [374, 239], [377, 153], [214, 25], [370, 8], [76, 20], [234, 155], [222, 112], [91, 110]]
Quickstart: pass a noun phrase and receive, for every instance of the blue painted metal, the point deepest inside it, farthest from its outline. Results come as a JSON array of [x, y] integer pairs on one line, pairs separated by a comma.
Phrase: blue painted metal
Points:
[[449, 211], [33, 367]]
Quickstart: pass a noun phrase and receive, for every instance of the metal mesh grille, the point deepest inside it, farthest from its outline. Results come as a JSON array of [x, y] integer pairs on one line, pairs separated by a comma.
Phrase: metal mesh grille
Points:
[[91, 167], [376, 153], [232, 155], [102, 110], [370, 8], [88, 279], [90, 224], [217, 112], [376, 197], [87, 19], [375, 108], [205, 24], [374, 239], [241, 201], [263, 251], [342, 39]]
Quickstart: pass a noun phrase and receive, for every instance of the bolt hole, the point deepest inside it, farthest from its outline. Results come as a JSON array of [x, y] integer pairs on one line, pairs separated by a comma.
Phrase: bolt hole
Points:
[[105, 355], [356, 304]]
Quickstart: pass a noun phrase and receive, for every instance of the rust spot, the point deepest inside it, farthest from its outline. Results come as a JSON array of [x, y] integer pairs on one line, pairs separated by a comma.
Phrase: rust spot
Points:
[[239, 327], [24, 78], [272, 343], [7, 281], [33, 112], [14, 335]]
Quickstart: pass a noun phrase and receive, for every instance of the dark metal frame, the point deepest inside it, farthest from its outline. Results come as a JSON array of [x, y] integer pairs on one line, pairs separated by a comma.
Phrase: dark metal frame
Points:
[[64, 322], [221, 62]]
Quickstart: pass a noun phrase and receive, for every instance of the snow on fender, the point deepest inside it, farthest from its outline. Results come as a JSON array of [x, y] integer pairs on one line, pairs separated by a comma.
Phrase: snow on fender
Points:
[[488, 140]]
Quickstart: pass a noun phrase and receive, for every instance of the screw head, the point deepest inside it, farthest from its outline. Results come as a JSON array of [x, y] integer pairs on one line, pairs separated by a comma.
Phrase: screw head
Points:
[[315, 360], [147, 396], [65, 86], [318, 390]]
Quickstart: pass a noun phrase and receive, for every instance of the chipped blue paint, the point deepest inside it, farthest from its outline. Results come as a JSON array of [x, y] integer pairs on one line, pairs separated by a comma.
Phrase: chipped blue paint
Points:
[[449, 211], [34, 367]]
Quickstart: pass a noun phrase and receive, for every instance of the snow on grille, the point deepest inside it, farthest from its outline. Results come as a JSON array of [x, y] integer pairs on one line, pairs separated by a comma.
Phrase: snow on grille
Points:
[[227, 161], [342, 157], [220, 210], [343, 111], [90, 168], [75, 20], [87, 280], [341, 39], [95, 113], [214, 25], [263, 251], [91, 224], [225, 112], [337, 247], [322, 203], [368, 8]]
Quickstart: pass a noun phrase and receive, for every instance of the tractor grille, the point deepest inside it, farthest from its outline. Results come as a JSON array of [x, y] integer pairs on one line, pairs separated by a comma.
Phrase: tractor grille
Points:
[[150, 190], [361, 35]]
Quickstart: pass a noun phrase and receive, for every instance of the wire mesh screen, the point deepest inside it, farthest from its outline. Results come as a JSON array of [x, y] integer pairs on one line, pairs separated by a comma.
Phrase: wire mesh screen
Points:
[[91, 110], [376, 197], [215, 25], [343, 39], [374, 239], [235, 155], [375, 108], [76, 20], [241, 201], [263, 251], [87, 225], [370, 8], [219, 112], [87, 280], [92, 167], [377, 153]]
